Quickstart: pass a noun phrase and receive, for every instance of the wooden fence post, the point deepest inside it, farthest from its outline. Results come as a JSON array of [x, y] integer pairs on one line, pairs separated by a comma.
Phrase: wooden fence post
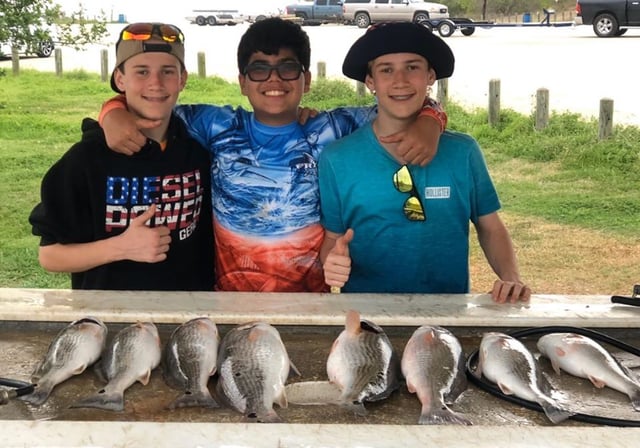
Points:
[[58, 58], [443, 91], [322, 70], [606, 118], [494, 102], [104, 65], [202, 65], [361, 89], [542, 109], [15, 61]]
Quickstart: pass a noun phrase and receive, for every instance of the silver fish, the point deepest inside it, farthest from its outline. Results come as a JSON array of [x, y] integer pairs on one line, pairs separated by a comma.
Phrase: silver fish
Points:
[[190, 358], [583, 357], [76, 347], [131, 356], [508, 363], [253, 366], [433, 366], [362, 363]]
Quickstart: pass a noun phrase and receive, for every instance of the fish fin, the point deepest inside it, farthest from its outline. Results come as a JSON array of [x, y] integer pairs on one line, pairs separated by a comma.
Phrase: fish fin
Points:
[[442, 416], [555, 413], [635, 399], [555, 365], [78, 370], [597, 382], [352, 324], [112, 401], [281, 399], [144, 378], [294, 369], [357, 407], [505, 389], [191, 400], [38, 396]]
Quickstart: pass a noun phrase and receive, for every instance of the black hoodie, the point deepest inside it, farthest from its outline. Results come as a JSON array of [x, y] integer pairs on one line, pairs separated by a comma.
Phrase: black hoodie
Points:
[[92, 193]]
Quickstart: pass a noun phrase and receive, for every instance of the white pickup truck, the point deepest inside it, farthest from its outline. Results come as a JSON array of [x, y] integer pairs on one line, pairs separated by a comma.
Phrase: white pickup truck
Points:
[[365, 12]]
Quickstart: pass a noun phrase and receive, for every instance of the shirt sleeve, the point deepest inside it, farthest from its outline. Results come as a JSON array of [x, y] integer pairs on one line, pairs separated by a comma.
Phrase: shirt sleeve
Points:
[[485, 197], [63, 215]]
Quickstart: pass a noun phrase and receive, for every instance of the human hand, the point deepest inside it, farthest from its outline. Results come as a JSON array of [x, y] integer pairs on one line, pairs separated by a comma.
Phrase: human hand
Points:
[[122, 131], [304, 113], [507, 291], [418, 144], [337, 266], [145, 244]]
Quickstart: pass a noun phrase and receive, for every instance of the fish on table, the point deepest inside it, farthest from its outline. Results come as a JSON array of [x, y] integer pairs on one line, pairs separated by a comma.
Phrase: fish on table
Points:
[[253, 366], [362, 363], [583, 357], [189, 361], [75, 347], [131, 356], [433, 365], [506, 361]]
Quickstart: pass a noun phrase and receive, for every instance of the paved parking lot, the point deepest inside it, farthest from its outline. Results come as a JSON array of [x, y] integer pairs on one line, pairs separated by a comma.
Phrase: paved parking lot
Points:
[[577, 67]]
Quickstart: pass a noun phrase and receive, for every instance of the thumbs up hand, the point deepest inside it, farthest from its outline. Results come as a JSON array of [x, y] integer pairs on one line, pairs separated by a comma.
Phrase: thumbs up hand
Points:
[[337, 265], [142, 243]]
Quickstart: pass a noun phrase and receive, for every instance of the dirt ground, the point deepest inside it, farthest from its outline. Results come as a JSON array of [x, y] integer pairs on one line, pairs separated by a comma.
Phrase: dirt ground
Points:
[[556, 259]]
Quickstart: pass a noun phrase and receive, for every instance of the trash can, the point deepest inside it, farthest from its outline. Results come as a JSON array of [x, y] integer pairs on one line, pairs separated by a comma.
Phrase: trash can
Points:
[[526, 17], [121, 18]]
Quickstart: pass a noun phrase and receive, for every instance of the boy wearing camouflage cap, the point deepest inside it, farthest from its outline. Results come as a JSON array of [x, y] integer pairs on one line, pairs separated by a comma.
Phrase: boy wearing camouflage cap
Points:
[[142, 222], [393, 227]]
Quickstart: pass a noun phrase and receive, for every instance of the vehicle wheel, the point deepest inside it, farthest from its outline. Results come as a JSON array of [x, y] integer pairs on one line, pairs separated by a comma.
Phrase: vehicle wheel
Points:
[[446, 28], [621, 32], [427, 25], [201, 21], [605, 25], [211, 21], [468, 31], [421, 17], [362, 20], [45, 49]]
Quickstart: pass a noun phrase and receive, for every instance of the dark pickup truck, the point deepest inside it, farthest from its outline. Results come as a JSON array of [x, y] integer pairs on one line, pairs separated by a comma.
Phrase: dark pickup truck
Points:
[[318, 11], [609, 18]]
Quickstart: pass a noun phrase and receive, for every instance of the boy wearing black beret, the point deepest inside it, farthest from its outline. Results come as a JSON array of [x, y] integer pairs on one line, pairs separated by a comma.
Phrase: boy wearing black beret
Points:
[[392, 227]]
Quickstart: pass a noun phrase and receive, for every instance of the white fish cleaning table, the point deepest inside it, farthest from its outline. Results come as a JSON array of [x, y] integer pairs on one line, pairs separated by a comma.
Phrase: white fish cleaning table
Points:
[[469, 313]]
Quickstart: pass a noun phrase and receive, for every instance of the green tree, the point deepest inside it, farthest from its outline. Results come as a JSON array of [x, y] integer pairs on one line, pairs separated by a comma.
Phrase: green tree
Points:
[[27, 23]]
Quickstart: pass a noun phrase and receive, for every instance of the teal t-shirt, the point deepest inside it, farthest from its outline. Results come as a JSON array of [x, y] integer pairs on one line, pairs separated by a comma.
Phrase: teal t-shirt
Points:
[[390, 253]]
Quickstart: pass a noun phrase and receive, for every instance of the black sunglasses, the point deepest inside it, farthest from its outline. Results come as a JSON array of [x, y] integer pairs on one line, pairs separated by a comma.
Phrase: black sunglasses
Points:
[[260, 71], [403, 181]]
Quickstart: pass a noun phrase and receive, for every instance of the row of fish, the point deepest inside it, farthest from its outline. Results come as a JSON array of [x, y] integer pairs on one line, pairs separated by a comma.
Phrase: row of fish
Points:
[[253, 366]]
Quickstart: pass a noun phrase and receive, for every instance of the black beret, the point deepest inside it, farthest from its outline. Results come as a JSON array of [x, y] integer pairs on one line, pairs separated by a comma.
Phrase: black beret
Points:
[[398, 37]]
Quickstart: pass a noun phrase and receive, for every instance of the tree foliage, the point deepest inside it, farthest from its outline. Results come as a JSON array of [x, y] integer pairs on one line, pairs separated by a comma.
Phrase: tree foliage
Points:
[[28, 22]]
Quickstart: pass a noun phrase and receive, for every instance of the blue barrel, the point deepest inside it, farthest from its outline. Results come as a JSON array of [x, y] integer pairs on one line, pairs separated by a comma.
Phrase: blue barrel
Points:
[[121, 18], [526, 17]]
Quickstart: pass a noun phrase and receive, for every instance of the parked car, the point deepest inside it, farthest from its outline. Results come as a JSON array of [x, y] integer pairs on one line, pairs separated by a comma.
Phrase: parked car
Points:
[[365, 12], [609, 18], [42, 49]]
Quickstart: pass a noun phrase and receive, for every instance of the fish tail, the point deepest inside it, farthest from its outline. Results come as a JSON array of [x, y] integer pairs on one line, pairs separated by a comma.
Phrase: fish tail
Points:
[[555, 413], [635, 399], [110, 401], [194, 399], [442, 416], [39, 395]]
